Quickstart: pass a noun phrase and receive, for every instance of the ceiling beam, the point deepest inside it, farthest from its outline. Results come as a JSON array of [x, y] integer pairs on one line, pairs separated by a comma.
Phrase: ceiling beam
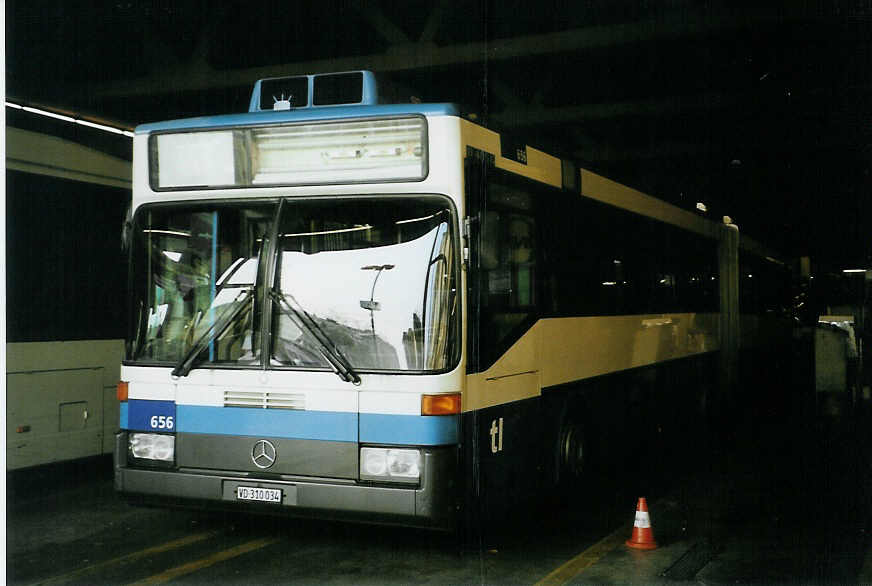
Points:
[[667, 106], [406, 56], [506, 93], [434, 21], [382, 24], [519, 116]]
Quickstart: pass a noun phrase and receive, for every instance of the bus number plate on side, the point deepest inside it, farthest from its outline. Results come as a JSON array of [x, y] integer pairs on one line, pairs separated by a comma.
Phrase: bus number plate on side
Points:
[[146, 415], [263, 495]]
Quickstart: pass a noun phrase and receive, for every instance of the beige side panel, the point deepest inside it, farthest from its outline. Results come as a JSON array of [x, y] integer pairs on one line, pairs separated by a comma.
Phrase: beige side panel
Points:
[[584, 347], [60, 400], [38, 356], [611, 192], [484, 391], [514, 377], [562, 350], [540, 166], [53, 416]]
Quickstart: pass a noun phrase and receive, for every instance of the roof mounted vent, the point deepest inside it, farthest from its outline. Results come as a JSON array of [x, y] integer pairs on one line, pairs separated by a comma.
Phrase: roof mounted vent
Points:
[[350, 88]]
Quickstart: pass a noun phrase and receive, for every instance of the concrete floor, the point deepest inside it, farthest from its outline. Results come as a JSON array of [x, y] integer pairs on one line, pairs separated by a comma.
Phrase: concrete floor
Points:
[[785, 499]]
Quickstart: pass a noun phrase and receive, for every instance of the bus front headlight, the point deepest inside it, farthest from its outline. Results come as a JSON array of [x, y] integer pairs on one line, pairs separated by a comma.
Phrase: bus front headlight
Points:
[[390, 464], [152, 446]]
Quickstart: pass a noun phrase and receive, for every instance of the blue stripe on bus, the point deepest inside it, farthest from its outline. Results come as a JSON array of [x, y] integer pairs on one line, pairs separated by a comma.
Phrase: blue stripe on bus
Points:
[[331, 113], [376, 428], [281, 423]]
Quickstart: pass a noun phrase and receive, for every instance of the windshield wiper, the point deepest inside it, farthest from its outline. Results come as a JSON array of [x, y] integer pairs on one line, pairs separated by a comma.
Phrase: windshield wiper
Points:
[[331, 353], [184, 366]]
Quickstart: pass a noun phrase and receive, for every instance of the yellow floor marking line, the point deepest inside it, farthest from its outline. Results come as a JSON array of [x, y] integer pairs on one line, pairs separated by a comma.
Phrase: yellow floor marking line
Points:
[[585, 559], [213, 559], [169, 545]]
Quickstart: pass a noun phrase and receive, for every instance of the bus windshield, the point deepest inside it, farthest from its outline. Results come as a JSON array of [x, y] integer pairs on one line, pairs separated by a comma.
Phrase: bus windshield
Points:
[[192, 266], [377, 276], [370, 280]]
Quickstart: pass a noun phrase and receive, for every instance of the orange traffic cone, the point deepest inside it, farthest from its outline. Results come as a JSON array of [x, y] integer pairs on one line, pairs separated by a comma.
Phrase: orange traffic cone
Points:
[[643, 537]]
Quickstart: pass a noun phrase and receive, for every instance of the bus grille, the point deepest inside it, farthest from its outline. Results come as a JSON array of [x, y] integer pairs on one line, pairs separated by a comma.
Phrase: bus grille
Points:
[[264, 400]]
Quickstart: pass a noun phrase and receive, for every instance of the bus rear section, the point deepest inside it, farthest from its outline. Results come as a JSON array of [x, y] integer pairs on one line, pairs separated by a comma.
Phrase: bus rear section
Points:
[[295, 355]]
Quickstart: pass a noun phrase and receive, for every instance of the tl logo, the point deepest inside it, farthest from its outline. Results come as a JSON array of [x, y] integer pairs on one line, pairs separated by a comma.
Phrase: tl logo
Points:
[[496, 433]]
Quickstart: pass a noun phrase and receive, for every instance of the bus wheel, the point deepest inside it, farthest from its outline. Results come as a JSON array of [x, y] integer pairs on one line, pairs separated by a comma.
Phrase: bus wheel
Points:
[[572, 452]]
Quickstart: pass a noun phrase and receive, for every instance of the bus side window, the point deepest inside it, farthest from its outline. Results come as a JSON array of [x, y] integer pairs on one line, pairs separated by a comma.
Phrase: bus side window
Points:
[[508, 264], [521, 240]]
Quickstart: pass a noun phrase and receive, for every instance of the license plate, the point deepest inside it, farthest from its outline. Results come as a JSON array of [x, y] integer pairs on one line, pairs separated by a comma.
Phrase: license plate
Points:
[[264, 495]]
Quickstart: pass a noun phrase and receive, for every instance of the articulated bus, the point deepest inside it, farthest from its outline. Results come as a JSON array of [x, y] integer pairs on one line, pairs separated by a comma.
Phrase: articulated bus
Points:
[[389, 313]]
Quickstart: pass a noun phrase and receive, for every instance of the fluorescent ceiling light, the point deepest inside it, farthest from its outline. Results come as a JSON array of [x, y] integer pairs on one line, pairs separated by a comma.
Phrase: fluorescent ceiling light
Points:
[[71, 119], [49, 114]]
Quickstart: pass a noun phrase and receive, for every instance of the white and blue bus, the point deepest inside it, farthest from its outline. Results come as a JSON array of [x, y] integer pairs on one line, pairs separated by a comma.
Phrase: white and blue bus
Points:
[[389, 313]]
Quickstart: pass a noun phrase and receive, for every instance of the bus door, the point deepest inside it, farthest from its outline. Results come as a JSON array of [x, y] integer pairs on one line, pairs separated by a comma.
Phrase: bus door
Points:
[[503, 297]]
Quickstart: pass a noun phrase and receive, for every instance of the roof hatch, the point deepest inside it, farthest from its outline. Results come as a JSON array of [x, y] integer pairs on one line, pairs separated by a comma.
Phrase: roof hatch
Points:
[[350, 88]]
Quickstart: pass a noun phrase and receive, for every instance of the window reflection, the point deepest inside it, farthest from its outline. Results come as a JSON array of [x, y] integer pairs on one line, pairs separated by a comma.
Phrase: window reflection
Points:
[[376, 275], [190, 266], [508, 263]]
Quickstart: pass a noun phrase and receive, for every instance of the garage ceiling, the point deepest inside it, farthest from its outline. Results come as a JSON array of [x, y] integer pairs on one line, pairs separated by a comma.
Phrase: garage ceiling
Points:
[[760, 110]]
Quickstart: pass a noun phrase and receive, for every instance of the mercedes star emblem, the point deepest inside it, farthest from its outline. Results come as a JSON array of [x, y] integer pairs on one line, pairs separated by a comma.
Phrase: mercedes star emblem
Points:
[[263, 454]]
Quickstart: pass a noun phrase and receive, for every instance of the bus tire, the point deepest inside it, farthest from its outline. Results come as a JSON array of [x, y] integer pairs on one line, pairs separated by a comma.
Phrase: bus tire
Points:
[[572, 450], [575, 457]]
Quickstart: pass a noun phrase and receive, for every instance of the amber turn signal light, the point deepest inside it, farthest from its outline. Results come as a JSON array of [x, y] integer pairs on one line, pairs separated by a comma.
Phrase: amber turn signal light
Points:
[[440, 404], [121, 390]]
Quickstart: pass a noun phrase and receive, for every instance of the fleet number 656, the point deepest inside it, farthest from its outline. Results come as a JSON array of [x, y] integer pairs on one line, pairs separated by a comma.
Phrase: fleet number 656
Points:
[[162, 422]]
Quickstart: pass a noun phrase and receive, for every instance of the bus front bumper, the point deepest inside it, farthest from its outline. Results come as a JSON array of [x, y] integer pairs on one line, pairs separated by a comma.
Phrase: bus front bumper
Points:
[[431, 504]]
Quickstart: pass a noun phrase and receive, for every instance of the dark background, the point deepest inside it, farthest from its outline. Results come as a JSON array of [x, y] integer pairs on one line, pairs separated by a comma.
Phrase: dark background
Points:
[[760, 110], [67, 282]]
